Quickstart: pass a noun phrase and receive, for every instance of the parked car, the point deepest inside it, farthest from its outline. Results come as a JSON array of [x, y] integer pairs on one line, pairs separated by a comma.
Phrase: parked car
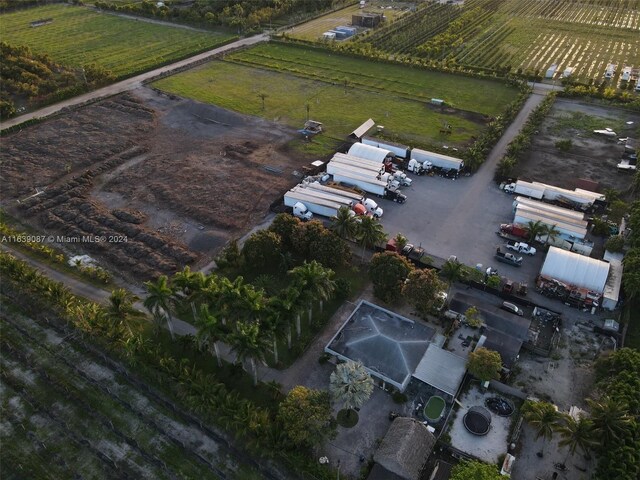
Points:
[[511, 308]]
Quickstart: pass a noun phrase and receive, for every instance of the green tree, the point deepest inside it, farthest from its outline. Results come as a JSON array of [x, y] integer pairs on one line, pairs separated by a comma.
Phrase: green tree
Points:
[[401, 241], [278, 322], [631, 275], [344, 223], [617, 209], [285, 226], [576, 435], [248, 342], [306, 416], [388, 272], [262, 250], [611, 419], [421, 290], [210, 333], [535, 229], [287, 305], [350, 385], [120, 310], [543, 417], [314, 281], [484, 364], [474, 470], [615, 244], [472, 315], [550, 233], [370, 233], [158, 302], [452, 271]]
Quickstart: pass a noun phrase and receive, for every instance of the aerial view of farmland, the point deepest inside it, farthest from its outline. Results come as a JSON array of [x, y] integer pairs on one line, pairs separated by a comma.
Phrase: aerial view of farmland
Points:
[[320, 239]]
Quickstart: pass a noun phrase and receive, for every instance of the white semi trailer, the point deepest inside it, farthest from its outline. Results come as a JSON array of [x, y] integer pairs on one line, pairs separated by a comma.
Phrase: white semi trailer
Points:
[[431, 159], [400, 151], [366, 182]]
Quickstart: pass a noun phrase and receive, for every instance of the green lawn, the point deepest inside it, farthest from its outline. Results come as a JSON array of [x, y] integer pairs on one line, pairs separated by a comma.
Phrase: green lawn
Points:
[[79, 36], [394, 96]]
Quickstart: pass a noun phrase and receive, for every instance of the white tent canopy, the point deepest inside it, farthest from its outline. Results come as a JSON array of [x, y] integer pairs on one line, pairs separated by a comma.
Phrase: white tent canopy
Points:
[[575, 269], [369, 152]]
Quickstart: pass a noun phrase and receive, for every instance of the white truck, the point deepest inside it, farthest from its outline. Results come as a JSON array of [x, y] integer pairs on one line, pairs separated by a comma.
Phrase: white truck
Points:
[[436, 160], [367, 183], [307, 201], [520, 247], [400, 151], [525, 188]]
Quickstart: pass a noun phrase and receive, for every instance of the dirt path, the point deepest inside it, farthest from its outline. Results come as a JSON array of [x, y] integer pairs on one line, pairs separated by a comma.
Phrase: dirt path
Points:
[[130, 83]]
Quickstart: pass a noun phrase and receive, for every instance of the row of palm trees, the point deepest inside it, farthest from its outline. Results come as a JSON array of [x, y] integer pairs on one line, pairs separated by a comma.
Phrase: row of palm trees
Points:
[[238, 314], [607, 423], [539, 229]]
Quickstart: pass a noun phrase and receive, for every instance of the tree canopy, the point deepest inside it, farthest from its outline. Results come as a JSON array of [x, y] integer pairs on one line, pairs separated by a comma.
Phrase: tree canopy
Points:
[[473, 470], [306, 416], [387, 272], [484, 364], [421, 290]]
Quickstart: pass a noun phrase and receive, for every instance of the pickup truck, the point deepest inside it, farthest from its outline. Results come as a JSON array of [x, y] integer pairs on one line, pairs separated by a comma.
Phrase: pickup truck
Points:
[[416, 255], [508, 258], [520, 247]]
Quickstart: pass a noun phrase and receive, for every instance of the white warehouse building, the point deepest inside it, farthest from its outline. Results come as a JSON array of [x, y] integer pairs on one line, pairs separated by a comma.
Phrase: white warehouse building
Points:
[[575, 269]]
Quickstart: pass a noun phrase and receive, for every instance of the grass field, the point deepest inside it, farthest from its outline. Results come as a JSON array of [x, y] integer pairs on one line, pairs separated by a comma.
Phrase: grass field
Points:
[[314, 29], [79, 36], [293, 78]]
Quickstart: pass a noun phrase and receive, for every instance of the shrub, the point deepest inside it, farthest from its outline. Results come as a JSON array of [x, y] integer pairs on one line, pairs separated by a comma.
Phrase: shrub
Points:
[[615, 244], [564, 145]]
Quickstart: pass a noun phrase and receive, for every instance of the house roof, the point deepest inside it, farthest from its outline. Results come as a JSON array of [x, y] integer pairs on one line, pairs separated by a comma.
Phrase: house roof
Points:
[[388, 345], [441, 369], [405, 448], [362, 129], [575, 269], [507, 346]]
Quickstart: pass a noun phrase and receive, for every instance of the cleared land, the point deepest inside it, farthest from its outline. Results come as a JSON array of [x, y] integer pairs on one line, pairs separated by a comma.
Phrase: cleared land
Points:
[[314, 29], [175, 177], [69, 413], [591, 156], [79, 36], [342, 92], [528, 35]]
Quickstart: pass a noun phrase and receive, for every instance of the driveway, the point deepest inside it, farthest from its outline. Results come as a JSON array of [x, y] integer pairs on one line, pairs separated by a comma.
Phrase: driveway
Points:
[[460, 217]]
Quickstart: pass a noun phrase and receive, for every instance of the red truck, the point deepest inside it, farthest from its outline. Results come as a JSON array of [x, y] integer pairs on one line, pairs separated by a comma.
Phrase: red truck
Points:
[[515, 229]]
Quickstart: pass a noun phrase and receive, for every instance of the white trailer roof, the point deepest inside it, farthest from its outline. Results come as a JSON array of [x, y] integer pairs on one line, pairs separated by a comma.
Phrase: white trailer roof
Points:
[[312, 193], [369, 152], [526, 216], [578, 192], [530, 185], [377, 168], [526, 201], [335, 190], [426, 153], [353, 158], [552, 216], [362, 177], [575, 269], [300, 196], [355, 171]]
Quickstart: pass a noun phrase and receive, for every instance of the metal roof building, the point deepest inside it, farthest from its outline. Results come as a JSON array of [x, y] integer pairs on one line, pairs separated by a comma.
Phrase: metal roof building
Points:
[[611, 292], [575, 269], [370, 152], [362, 130], [441, 369], [388, 345]]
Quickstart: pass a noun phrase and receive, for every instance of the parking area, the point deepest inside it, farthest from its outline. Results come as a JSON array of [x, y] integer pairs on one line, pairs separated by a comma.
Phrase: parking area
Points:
[[458, 217]]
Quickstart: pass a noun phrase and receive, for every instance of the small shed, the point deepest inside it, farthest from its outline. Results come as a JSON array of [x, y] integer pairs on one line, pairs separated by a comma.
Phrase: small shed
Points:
[[551, 71], [568, 72], [366, 19], [328, 36], [362, 130], [626, 74], [403, 452]]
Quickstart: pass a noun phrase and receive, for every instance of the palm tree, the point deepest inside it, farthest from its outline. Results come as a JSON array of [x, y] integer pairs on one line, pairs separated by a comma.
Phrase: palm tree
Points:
[[344, 224], [610, 418], [535, 229], [120, 308], [314, 281], [249, 343], [543, 417], [576, 434], [452, 271], [158, 301], [550, 233], [188, 285], [210, 331], [286, 303], [370, 233], [351, 385], [277, 322]]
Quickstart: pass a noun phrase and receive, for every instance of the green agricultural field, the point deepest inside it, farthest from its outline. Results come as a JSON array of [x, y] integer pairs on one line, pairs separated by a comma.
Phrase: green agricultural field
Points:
[[79, 36], [518, 35], [394, 96]]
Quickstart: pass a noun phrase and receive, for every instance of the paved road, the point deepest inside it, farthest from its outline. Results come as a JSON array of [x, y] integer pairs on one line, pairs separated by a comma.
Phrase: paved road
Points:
[[460, 217], [131, 83]]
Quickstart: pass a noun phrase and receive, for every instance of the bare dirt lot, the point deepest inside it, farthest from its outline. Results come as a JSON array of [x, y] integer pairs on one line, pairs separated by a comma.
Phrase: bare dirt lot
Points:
[[175, 177], [591, 156]]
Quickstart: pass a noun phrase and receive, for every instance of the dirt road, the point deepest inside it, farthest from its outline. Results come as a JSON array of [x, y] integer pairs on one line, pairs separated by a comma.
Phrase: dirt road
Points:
[[131, 83]]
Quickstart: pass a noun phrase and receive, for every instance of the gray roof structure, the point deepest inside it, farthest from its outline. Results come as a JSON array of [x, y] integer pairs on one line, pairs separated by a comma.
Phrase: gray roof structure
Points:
[[493, 316], [404, 450], [388, 345], [507, 346], [441, 369]]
